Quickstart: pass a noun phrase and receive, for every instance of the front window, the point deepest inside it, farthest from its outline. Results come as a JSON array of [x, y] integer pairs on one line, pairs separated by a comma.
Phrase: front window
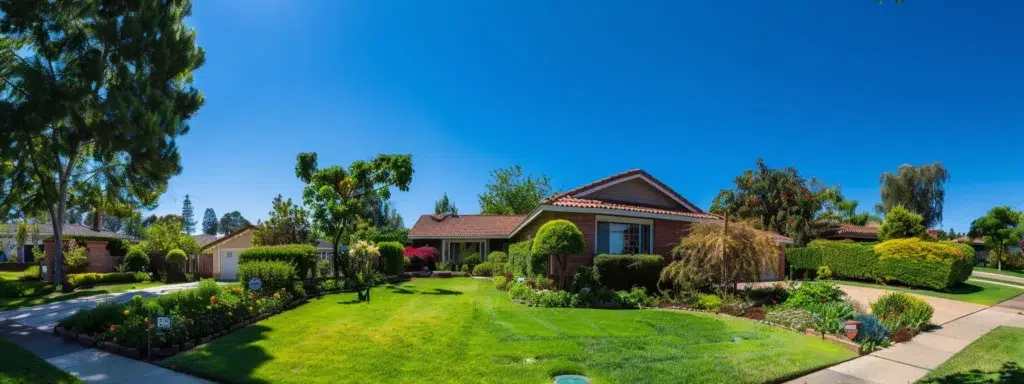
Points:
[[623, 238]]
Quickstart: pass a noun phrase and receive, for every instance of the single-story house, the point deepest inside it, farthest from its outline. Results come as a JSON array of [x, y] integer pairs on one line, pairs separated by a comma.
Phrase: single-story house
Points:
[[863, 233], [219, 255], [94, 239], [628, 213]]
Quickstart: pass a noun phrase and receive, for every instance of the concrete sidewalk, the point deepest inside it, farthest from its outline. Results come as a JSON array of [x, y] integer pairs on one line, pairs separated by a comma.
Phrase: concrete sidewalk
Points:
[[45, 317], [908, 362], [996, 276], [89, 365]]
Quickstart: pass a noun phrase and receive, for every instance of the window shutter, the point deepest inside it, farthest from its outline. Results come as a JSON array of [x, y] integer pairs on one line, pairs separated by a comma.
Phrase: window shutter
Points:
[[602, 238]]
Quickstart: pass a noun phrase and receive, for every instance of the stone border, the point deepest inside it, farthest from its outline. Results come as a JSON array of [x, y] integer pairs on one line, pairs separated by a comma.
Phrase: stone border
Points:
[[163, 353]]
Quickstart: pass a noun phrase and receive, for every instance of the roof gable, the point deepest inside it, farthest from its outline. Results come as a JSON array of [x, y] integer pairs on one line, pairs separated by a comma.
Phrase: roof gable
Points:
[[464, 226], [632, 187]]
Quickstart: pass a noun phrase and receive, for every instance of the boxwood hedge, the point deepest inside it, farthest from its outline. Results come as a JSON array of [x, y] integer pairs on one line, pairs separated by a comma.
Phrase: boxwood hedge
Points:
[[622, 272], [302, 256], [921, 263], [804, 258], [847, 260]]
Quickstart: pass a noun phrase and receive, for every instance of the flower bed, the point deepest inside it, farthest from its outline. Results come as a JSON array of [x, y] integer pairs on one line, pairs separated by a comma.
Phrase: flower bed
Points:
[[540, 291], [197, 315]]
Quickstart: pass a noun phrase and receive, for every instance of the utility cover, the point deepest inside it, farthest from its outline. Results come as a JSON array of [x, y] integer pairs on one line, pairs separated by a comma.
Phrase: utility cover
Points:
[[571, 379]]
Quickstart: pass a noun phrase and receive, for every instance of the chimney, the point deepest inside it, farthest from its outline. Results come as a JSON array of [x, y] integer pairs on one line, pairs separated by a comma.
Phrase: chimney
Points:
[[97, 221]]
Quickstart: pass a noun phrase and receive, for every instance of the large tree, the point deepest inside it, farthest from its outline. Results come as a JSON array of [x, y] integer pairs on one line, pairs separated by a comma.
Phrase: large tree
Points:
[[779, 200], [920, 189], [231, 222], [336, 195], [288, 224], [210, 222], [1001, 228], [513, 193], [93, 95], [721, 255], [443, 206], [188, 216]]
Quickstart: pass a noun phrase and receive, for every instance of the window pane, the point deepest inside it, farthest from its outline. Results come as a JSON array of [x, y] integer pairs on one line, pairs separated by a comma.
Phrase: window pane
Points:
[[602, 238], [645, 239], [617, 238]]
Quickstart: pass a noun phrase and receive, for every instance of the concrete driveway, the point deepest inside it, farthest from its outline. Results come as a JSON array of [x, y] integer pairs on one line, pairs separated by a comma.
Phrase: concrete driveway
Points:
[[945, 310]]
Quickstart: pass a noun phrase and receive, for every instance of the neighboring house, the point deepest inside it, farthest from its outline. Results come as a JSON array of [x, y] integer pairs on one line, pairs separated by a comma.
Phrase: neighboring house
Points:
[[221, 253], [628, 213], [853, 232]]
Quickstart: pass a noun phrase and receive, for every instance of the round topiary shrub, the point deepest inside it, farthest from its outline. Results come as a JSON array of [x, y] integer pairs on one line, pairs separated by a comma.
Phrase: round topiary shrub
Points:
[[497, 257], [176, 257], [559, 239], [136, 260]]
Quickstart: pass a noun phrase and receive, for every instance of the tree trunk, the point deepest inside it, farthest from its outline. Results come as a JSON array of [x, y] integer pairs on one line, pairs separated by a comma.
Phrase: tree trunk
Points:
[[561, 278]]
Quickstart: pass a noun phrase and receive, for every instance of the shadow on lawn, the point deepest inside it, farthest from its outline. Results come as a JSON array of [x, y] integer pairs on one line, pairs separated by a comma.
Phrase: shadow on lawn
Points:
[[442, 291], [1010, 373], [232, 358]]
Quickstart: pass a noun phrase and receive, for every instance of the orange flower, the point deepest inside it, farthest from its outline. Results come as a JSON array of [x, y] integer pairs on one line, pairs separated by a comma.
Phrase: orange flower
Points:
[[113, 327], [213, 299]]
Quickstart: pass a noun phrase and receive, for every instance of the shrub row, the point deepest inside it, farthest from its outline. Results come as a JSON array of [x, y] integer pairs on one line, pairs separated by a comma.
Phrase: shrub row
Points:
[[622, 272], [302, 256], [273, 275], [913, 262], [392, 253], [522, 261], [84, 279]]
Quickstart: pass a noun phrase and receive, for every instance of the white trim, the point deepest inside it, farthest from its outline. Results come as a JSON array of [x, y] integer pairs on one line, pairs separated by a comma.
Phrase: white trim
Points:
[[644, 178], [624, 220], [528, 219]]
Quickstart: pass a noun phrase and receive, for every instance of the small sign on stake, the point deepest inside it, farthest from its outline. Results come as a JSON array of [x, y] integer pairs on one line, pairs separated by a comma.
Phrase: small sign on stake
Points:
[[255, 284], [163, 322]]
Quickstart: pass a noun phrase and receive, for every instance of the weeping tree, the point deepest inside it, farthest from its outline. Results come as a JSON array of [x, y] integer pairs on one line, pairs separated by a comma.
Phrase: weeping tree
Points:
[[920, 189], [335, 195], [720, 255], [93, 95]]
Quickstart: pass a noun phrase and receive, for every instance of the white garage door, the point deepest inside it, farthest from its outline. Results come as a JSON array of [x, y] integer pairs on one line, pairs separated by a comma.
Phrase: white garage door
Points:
[[229, 264]]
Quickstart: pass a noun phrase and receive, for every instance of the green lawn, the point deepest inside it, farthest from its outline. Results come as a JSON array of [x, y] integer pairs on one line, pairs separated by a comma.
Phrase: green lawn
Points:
[[997, 357], [19, 366], [7, 304], [992, 280], [998, 272], [971, 291], [463, 330]]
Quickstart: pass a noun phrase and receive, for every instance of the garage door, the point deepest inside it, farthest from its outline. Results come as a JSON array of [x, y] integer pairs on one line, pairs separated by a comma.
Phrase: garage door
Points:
[[229, 265]]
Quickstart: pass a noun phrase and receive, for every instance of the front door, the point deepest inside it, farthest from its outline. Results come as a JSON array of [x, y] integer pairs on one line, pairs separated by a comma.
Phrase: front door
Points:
[[229, 265]]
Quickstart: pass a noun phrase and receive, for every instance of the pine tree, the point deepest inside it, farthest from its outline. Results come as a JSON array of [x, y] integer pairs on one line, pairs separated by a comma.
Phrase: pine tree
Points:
[[188, 217], [210, 222]]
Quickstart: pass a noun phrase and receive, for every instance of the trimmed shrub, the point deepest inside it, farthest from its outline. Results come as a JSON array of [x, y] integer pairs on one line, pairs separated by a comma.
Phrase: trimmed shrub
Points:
[[84, 279], [522, 261], [471, 262], [136, 260], [393, 255], [497, 257], [847, 260], [899, 310], [919, 263], [871, 329], [442, 266], [483, 269], [273, 274], [621, 272], [176, 257], [708, 302], [501, 283], [808, 294], [900, 223], [301, 256], [803, 258]]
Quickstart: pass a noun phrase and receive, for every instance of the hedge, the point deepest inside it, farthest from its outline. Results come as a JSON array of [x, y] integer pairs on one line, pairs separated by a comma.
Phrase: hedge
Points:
[[301, 256], [622, 272], [393, 255], [83, 279], [273, 275], [136, 260], [804, 258], [919, 263], [522, 261], [847, 260]]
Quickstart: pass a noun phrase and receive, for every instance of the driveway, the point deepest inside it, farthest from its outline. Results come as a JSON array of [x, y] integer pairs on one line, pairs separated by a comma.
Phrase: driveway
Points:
[[945, 310], [45, 317]]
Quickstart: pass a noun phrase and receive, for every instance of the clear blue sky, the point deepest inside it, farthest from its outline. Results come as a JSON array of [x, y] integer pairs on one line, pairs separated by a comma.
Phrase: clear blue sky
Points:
[[691, 91]]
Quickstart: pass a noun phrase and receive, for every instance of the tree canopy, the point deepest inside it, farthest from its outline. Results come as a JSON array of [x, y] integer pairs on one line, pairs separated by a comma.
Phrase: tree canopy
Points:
[[188, 216], [93, 96], [288, 224], [711, 254], [920, 189], [513, 193], [445, 207], [1001, 227], [778, 200], [231, 222], [335, 195], [559, 239], [900, 223], [209, 222], [163, 236]]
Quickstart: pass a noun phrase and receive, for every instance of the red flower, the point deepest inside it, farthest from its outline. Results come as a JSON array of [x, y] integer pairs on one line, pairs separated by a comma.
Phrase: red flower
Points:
[[552, 287], [112, 327]]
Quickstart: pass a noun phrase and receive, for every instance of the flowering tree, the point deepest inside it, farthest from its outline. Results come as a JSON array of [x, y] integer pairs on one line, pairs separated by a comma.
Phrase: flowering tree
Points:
[[364, 261]]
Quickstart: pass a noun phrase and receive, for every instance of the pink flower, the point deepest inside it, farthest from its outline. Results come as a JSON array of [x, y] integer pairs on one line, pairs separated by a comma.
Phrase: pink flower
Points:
[[112, 327]]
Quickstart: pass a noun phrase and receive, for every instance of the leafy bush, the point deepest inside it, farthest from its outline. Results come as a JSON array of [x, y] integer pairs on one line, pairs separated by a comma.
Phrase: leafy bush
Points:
[[556, 299], [499, 269], [824, 272], [419, 258], [522, 261], [734, 305], [900, 223], [625, 271], [393, 255], [799, 319], [803, 258], [323, 269], [774, 294], [84, 279], [273, 274], [501, 283], [522, 292], [831, 315], [97, 319], [635, 298], [920, 263], [471, 261], [871, 329], [497, 257], [483, 269], [847, 260], [176, 257], [899, 310], [676, 279], [444, 266], [709, 302], [585, 277], [136, 260], [808, 294], [176, 260], [464, 269], [301, 256], [540, 281]]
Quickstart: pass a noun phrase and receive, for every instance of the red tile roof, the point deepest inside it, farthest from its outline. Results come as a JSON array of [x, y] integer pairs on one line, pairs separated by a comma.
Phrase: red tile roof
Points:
[[622, 175], [435, 226], [567, 201]]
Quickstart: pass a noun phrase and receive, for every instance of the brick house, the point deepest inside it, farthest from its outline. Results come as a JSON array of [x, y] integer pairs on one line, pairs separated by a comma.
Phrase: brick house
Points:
[[628, 213]]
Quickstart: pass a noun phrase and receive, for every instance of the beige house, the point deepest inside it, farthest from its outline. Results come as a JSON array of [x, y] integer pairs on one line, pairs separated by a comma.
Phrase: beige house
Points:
[[221, 253]]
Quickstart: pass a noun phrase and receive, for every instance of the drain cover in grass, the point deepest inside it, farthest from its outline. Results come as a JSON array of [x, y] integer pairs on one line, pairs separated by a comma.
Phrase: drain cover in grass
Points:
[[571, 379]]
